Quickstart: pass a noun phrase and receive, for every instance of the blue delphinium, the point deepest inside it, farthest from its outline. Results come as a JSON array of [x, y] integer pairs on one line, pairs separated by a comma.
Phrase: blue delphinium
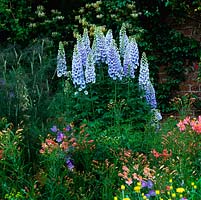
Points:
[[144, 72], [82, 50], [90, 74], [150, 95], [77, 70], [98, 46], [145, 83], [115, 70], [86, 41], [123, 40], [108, 40], [131, 58], [61, 61]]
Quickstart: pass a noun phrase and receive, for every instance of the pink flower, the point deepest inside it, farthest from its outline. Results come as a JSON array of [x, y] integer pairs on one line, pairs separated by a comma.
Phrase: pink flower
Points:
[[125, 168], [181, 126], [186, 120], [155, 153], [129, 181]]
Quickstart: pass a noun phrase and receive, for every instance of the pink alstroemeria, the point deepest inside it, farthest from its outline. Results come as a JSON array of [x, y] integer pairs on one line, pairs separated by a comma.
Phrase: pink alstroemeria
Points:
[[181, 126]]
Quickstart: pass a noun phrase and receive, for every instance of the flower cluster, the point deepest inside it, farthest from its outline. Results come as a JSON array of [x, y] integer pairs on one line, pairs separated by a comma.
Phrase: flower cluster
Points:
[[115, 69], [138, 171], [164, 154], [194, 124], [61, 61], [131, 58], [67, 142]]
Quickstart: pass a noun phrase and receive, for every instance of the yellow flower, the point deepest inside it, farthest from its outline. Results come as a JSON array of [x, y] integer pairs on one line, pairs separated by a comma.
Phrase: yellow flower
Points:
[[161, 199], [173, 195], [126, 198], [180, 190], [170, 181], [195, 186], [180, 196], [171, 187], [157, 192], [139, 183], [122, 187], [144, 197], [137, 189], [115, 198], [192, 183]]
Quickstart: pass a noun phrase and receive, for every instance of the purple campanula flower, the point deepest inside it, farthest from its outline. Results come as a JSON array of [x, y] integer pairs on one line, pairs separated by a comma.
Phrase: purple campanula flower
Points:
[[90, 74], [143, 184], [115, 69], [60, 136], [152, 193], [68, 128], [70, 164], [123, 40], [98, 46], [54, 129], [77, 70], [148, 195], [61, 61], [150, 184]]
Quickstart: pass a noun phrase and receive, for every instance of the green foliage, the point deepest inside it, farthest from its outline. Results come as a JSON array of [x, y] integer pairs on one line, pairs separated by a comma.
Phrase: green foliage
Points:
[[22, 21]]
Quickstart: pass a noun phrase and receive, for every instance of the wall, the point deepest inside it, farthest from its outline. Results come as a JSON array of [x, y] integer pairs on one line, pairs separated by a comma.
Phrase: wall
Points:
[[190, 27]]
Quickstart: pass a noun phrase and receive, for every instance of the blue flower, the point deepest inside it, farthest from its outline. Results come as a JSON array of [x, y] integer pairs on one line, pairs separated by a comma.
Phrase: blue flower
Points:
[[61, 61], [82, 50], [115, 69], [69, 164], [77, 70], [123, 40], [152, 193], [150, 184], [131, 58], [108, 41], [98, 46], [145, 83], [60, 136], [68, 128], [86, 41], [150, 95], [144, 72], [90, 74], [54, 129]]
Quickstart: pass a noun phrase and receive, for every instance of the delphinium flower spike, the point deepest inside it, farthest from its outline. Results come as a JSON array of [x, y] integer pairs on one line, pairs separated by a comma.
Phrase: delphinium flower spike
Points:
[[82, 50], [108, 40], [123, 40], [90, 74], [77, 70], [131, 58], [86, 41], [98, 46], [61, 61], [144, 72], [149, 91], [115, 70]]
